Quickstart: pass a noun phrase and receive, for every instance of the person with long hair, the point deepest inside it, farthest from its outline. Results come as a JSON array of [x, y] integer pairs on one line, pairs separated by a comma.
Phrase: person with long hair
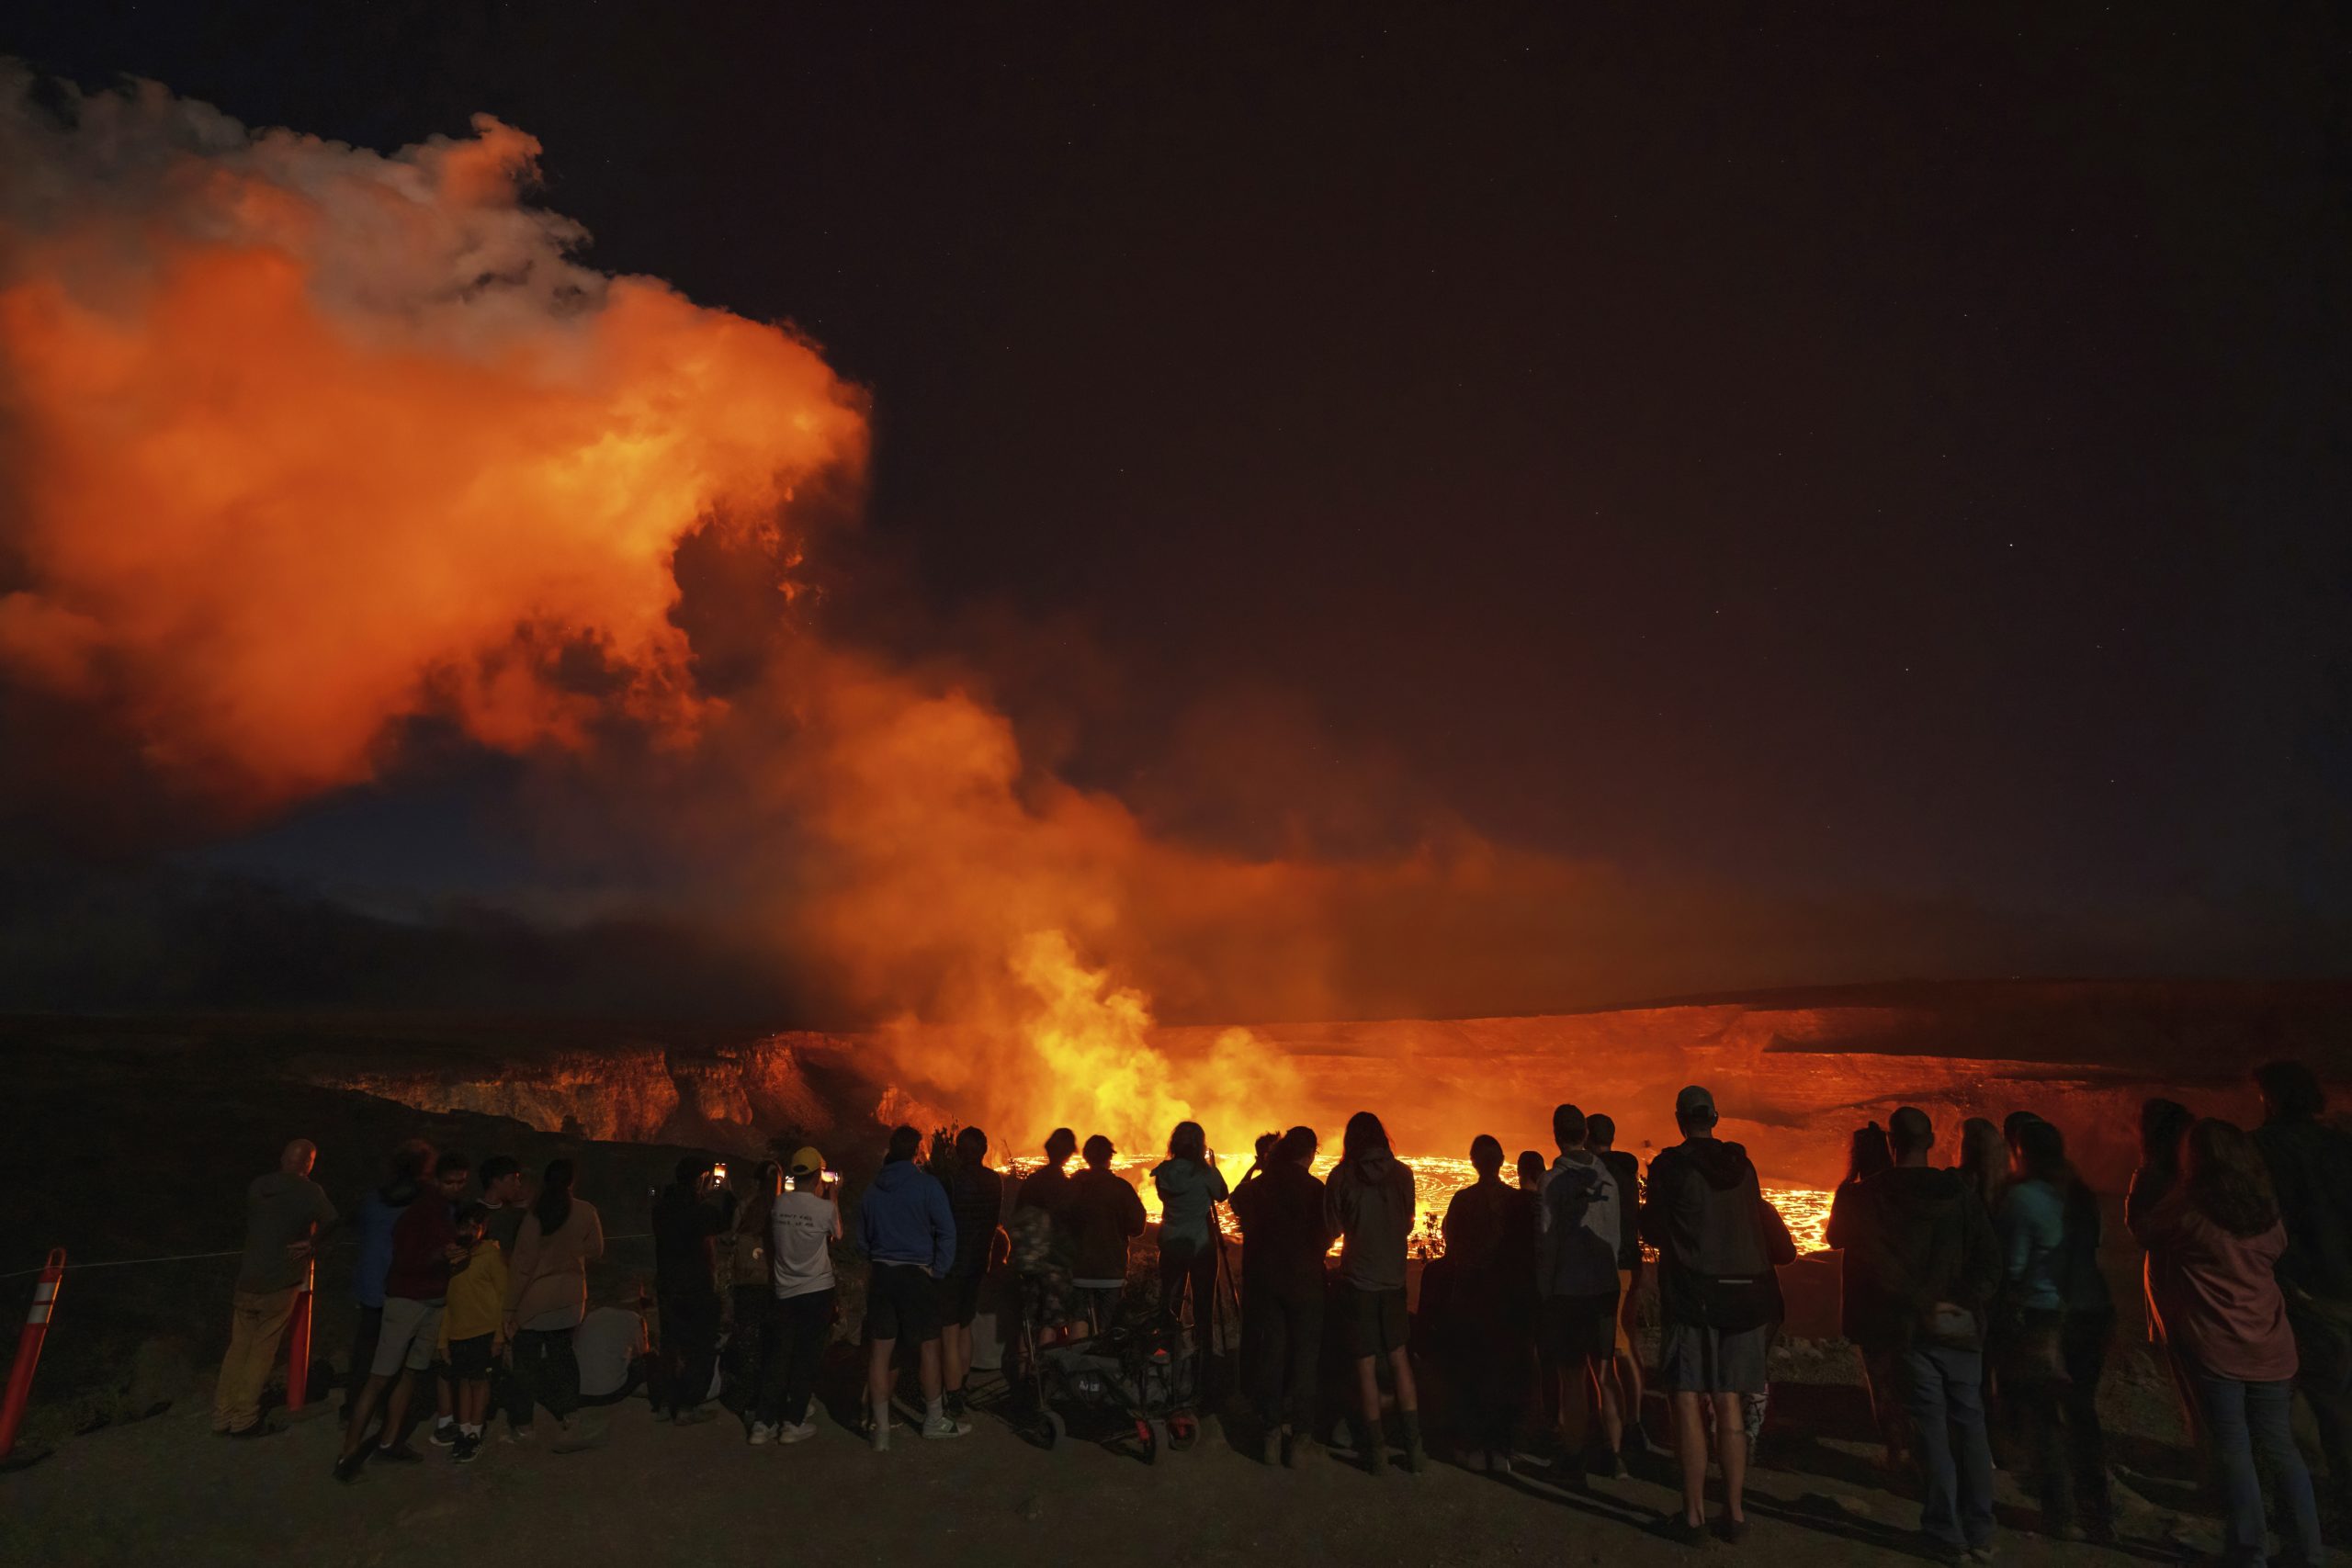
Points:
[[1368, 1200], [1983, 1161], [2063, 1318], [1490, 1243], [1867, 1153], [2213, 1248], [546, 1295], [1190, 1188]]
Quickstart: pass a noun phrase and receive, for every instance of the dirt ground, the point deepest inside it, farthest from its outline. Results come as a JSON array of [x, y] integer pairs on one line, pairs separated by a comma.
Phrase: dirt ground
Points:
[[165, 1489]]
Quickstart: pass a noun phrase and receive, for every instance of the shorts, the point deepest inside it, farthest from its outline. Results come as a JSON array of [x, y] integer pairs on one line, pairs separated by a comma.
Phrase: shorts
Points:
[[1692, 1360], [469, 1359], [901, 1302], [1624, 1311], [1574, 1329], [1371, 1322], [959, 1299], [411, 1335]]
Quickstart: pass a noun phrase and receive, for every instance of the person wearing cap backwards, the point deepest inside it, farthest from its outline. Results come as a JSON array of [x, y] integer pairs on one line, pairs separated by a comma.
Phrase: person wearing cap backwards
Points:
[[908, 1233], [1717, 1240], [804, 1221]]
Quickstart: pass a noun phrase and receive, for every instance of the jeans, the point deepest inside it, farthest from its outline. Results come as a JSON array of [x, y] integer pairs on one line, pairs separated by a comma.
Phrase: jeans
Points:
[[547, 1372], [1943, 1392], [2060, 1419], [802, 1326], [689, 1347], [2242, 1417], [1282, 1326], [255, 1328]]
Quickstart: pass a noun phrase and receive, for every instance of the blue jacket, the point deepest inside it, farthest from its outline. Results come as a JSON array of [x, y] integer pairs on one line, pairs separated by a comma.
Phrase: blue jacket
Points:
[[904, 1218], [374, 1222]]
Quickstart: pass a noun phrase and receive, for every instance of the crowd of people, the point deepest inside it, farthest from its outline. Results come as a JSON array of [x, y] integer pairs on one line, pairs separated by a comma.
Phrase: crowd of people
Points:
[[1974, 1293]]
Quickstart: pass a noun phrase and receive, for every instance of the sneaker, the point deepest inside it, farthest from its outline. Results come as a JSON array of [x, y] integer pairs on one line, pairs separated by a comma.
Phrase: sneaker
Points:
[[878, 1433], [260, 1429], [760, 1433], [444, 1434], [348, 1468], [464, 1449], [800, 1433], [956, 1403], [944, 1426], [516, 1434], [399, 1453], [697, 1416], [1731, 1532], [1681, 1531], [1610, 1465]]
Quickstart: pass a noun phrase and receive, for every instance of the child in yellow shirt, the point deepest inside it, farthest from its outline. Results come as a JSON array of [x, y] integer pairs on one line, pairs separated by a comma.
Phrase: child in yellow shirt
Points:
[[473, 1326]]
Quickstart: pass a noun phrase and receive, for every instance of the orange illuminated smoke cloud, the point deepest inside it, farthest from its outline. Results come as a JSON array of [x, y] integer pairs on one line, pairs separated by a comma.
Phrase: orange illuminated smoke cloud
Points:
[[309, 440]]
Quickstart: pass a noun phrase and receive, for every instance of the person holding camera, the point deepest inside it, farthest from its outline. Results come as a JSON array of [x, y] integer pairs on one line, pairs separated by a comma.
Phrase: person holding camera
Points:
[[804, 1221], [688, 1214]]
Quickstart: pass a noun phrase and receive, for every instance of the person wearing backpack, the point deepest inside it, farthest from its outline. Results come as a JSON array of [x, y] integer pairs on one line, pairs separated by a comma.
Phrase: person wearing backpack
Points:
[[1718, 1242], [1923, 1266]]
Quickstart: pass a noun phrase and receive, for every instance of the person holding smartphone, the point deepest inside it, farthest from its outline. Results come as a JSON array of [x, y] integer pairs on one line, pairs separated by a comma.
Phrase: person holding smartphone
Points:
[[804, 1221], [688, 1214]]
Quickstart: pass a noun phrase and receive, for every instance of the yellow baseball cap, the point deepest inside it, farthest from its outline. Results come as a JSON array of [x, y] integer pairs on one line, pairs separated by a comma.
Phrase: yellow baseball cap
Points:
[[807, 1162]]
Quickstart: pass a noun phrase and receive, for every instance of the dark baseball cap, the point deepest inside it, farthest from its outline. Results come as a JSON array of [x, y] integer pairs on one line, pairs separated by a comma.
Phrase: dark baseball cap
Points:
[[1694, 1103]]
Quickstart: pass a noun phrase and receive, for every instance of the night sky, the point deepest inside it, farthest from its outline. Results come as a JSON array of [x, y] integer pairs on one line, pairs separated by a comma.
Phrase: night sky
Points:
[[1829, 452]]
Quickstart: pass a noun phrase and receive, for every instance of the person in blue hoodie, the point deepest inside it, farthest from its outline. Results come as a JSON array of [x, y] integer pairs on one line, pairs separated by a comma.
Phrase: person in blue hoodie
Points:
[[908, 1233]]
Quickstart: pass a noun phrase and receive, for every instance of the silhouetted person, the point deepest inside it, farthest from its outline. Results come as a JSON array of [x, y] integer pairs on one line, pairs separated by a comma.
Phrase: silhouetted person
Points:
[[1190, 1188], [747, 1288], [1040, 1236], [1718, 1298], [688, 1215], [1490, 1247], [417, 1287], [2164, 1130], [1580, 1228], [285, 1210], [547, 1298], [1104, 1215], [1369, 1201], [2049, 1230], [908, 1233], [1600, 1137], [377, 1212], [976, 1202], [1284, 1234], [2310, 1171], [1923, 1266], [2214, 1246], [1867, 1155], [1983, 1161]]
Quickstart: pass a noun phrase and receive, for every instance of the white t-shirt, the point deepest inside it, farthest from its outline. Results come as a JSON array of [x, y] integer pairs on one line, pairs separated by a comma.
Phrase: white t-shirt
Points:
[[805, 1223]]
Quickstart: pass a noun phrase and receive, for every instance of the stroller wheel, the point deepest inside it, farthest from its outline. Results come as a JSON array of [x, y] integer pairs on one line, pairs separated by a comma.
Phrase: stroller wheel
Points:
[[1057, 1430], [1183, 1431]]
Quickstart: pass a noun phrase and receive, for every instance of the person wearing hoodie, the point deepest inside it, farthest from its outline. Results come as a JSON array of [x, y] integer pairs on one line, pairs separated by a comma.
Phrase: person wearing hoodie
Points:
[[908, 1233], [1190, 1188], [976, 1202], [1579, 1223], [1102, 1216], [1284, 1236], [2310, 1171], [378, 1211], [1923, 1266], [1867, 1153], [2215, 1245], [1369, 1201], [1717, 1242], [285, 1210], [546, 1301]]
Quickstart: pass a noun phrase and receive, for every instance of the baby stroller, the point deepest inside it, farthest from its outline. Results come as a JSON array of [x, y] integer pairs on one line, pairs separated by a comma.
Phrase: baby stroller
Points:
[[1135, 1381]]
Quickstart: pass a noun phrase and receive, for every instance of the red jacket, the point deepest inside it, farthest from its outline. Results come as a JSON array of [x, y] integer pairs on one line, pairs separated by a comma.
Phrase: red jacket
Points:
[[418, 1272]]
